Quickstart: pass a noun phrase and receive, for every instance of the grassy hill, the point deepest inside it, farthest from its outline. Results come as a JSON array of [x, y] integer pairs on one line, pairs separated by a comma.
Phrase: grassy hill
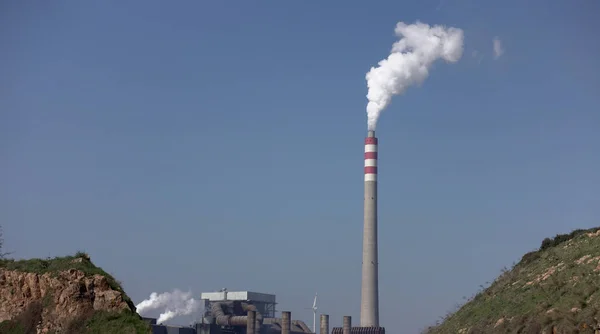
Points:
[[555, 289], [63, 274]]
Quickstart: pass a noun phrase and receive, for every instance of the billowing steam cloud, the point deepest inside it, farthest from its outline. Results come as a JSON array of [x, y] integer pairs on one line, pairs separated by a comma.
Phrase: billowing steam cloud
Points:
[[174, 303], [420, 45]]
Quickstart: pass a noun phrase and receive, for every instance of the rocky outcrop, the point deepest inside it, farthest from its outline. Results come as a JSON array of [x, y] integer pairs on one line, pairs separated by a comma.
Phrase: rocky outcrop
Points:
[[64, 296]]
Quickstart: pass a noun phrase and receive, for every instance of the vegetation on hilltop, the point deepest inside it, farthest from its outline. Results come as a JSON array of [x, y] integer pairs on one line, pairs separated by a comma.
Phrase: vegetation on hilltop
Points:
[[109, 322], [91, 322], [555, 289]]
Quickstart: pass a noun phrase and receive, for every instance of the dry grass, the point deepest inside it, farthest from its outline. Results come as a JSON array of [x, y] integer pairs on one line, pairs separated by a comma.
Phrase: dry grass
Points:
[[554, 288]]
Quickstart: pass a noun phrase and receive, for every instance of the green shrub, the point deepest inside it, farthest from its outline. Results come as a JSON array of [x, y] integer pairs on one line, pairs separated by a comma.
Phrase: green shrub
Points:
[[560, 238], [530, 257], [111, 322]]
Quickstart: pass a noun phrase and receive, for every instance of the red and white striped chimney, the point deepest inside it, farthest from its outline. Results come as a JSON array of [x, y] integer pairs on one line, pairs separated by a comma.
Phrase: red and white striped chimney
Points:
[[371, 158], [369, 304]]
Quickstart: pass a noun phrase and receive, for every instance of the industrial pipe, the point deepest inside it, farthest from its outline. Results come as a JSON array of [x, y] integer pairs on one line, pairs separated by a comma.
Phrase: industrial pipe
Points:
[[251, 322], [220, 316], [223, 319], [258, 318], [347, 324], [249, 307], [286, 322], [302, 325], [238, 320], [324, 324]]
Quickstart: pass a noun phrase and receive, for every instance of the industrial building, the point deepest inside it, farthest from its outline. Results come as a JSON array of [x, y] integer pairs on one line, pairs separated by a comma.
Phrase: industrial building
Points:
[[237, 312]]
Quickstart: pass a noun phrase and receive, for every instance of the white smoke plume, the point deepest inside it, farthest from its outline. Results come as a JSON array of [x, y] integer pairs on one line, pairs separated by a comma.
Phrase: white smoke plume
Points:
[[498, 49], [420, 45], [174, 303]]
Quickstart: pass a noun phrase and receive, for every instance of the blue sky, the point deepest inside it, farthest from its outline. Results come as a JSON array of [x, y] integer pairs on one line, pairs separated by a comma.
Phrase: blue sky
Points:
[[203, 144]]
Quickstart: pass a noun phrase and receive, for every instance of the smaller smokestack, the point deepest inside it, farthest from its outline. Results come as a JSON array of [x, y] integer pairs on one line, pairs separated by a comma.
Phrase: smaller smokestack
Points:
[[286, 322], [257, 325], [347, 325], [324, 324], [251, 322]]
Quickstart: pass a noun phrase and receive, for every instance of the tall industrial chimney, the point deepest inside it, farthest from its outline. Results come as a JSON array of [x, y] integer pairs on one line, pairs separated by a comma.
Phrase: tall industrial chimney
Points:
[[369, 304]]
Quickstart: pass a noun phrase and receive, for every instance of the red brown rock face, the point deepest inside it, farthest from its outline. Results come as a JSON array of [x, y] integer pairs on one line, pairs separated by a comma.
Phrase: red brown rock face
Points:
[[64, 296]]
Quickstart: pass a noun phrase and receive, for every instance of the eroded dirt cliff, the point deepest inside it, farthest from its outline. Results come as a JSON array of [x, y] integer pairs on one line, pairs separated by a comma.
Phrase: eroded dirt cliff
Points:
[[43, 296]]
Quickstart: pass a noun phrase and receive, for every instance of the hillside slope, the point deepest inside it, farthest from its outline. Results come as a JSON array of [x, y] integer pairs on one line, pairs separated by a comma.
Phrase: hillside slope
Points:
[[555, 289], [63, 295]]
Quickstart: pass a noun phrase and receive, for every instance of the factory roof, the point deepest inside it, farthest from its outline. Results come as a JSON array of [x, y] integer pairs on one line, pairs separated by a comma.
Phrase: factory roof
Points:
[[239, 295]]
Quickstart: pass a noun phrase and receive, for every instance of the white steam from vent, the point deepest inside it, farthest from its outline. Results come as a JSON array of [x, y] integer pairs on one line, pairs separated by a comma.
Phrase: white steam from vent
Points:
[[174, 303], [420, 45]]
